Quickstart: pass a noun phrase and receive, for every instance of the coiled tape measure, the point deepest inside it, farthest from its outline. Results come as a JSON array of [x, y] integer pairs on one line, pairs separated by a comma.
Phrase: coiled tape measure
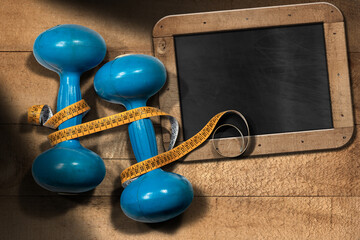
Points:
[[42, 115]]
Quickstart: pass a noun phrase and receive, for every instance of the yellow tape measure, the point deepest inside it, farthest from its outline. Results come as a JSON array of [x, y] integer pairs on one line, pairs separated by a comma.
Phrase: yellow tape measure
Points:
[[178, 152], [102, 124], [42, 114]]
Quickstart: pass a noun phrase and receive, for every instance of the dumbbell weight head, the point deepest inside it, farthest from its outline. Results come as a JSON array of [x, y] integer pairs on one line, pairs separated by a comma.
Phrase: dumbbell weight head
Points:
[[130, 79], [68, 168], [157, 195], [69, 50]]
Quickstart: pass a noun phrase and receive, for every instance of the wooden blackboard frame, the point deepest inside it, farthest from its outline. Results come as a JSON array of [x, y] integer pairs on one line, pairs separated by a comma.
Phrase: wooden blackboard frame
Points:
[[337, 63]]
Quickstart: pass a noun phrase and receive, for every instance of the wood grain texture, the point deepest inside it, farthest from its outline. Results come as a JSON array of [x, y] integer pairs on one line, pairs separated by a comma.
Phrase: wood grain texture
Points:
[[206, 218], [126, 25], [246, 18], [338, 72], [298, 196], [165, 52]]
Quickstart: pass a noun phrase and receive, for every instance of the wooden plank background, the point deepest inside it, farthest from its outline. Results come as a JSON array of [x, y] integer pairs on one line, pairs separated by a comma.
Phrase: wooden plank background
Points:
[[292, 196]]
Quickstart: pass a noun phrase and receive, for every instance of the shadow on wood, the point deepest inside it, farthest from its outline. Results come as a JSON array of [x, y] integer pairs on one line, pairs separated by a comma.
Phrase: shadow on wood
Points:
[[52, 204]]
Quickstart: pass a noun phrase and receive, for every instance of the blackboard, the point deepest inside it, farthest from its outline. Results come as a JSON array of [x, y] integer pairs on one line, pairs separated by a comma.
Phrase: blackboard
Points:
[[276, 77], [285, 68]]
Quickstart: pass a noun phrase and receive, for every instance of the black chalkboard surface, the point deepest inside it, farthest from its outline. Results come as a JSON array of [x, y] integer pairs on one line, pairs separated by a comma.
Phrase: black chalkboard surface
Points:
[[277, 77]]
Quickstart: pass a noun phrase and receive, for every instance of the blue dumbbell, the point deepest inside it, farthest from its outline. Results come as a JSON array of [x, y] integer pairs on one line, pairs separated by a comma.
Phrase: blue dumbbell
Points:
[[69, 50], [157, 195]]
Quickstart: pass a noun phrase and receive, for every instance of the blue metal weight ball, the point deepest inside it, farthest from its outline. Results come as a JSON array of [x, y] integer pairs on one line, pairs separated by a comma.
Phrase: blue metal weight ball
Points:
[[69, 50], [157, 195]]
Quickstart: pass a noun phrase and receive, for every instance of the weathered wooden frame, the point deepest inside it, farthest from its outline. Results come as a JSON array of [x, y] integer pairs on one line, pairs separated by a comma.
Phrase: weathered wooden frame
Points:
[[337, 63]]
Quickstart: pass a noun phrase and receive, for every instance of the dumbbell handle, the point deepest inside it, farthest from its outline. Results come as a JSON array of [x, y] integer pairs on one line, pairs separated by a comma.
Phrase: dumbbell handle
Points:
[[69, 93], [142, 134]]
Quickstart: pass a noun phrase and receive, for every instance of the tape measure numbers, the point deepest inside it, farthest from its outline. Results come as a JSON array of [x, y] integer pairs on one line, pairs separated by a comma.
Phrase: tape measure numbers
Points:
[[103, 124], [179, 151], [42, 114]]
